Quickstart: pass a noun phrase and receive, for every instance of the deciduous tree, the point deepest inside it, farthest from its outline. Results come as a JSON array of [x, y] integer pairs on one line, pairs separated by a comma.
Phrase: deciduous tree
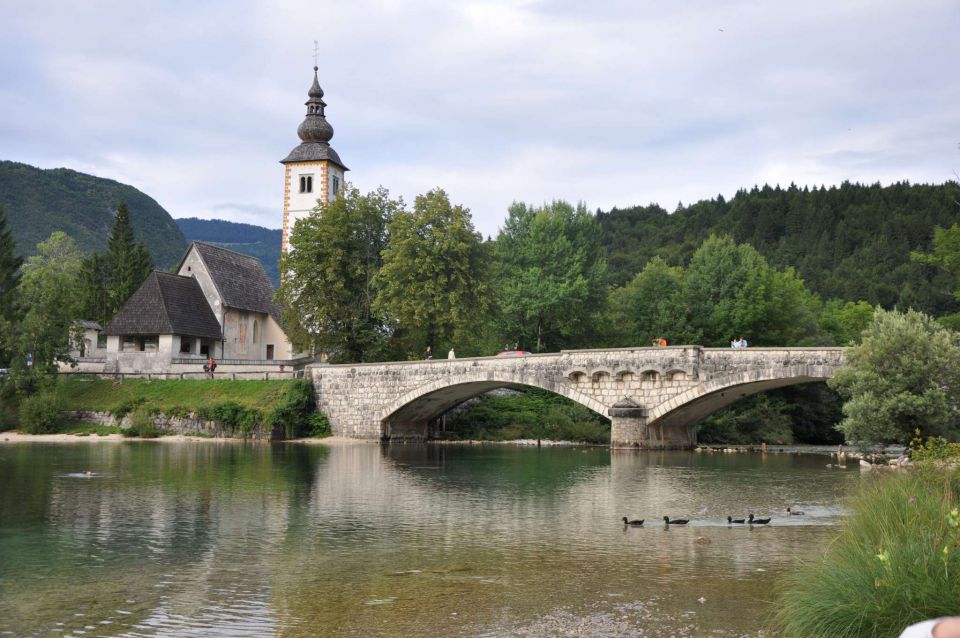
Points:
[[551, 277], [10, 310], [327, 289], [904, 375], [433, 284]]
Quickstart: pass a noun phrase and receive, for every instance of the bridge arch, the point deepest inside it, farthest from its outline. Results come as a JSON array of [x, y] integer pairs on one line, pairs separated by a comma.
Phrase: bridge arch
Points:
[[692, 406], [430, 400]]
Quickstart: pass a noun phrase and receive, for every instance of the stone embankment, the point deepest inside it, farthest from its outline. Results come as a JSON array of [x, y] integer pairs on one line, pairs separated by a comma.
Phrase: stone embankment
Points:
[[188, 425]]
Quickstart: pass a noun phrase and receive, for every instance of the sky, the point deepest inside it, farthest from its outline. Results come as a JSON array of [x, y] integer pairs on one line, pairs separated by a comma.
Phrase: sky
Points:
[[615, 103]]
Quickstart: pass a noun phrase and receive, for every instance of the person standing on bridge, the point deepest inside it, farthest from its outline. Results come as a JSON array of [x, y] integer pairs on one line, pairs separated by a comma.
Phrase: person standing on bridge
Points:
[[428, 354], [451, 354]]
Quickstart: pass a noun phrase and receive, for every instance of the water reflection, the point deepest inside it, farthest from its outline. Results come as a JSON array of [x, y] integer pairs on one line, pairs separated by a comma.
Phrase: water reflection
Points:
[[292, 540]]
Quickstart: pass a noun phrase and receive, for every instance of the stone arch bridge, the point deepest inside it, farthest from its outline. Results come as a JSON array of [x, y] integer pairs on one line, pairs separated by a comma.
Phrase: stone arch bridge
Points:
[[653, 396]]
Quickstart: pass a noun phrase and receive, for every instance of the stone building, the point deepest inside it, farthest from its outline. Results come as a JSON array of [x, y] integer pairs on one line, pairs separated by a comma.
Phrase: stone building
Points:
[[312, 172], [219, 303]]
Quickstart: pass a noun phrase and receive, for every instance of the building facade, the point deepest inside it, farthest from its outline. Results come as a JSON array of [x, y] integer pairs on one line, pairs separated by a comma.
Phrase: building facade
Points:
[[312, 173]]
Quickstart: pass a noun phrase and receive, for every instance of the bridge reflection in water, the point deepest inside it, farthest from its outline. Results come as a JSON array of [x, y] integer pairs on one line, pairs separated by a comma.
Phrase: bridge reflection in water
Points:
[[653, 396]]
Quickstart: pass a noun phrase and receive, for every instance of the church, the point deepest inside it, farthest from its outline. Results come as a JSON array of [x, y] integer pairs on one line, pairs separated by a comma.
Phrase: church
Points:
[[219, 303]]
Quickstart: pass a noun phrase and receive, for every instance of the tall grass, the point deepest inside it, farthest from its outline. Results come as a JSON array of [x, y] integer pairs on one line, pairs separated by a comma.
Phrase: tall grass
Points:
[[895, 562]]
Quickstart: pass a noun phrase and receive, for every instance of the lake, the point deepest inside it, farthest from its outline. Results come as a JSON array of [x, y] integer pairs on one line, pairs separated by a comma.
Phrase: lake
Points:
[[231, 539]]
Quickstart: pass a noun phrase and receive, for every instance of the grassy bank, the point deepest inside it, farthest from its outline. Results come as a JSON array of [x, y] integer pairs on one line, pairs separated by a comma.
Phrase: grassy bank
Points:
[[281, 408], [533, 414], [895, 562]]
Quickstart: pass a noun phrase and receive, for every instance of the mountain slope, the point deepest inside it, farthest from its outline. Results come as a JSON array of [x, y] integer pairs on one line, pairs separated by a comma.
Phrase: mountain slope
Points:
[[256, 241], [39, 202], [848, 242]]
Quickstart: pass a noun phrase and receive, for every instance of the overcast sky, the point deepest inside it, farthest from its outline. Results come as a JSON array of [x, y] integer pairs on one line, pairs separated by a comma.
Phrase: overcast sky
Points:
[[609, 103]]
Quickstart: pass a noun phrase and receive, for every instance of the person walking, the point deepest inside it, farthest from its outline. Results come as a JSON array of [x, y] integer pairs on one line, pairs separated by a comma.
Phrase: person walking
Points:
[[428, 354], [211, 366]]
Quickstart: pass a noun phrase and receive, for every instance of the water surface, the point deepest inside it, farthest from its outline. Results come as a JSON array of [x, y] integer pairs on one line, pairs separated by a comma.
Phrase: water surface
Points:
[[226, 539]]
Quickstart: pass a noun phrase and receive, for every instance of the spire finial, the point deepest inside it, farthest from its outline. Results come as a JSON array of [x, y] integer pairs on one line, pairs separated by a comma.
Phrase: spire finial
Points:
[[316, 54]]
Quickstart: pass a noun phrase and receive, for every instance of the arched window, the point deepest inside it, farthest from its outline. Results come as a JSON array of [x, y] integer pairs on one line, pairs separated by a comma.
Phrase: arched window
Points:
[[256, 331]]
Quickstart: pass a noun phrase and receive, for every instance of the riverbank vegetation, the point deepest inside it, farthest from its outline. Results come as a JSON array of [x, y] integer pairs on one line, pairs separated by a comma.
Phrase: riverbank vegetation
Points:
[[895, 562], [280, 408], [534, 414]]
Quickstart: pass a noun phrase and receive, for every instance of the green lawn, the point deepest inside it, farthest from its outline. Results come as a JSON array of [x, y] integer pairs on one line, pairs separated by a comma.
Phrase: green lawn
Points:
[[169, 397]]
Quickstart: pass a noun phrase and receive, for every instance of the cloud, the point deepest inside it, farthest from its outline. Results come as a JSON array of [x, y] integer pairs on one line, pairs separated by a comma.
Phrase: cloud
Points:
[[614, 103]]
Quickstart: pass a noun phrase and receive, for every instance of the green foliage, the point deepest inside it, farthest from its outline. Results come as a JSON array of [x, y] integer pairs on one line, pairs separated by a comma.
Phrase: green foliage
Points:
[[847, 242], [729, 291], [294, 417], [49, 293], [550, 276], [946, 252], [127, 406], [532, 414], [845, 322], [649, 307], [904, 375], [318, 426], [10, 311], [328, 290], [895, 562], [40, 413], [934, 448], [142, 425], [94, 283], [235, 418], [756, 419], [433, 283], [128, 261], [39, 202]]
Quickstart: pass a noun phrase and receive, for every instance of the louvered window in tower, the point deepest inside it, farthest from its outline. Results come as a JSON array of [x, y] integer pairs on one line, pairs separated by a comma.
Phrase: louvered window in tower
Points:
[[306, 183]]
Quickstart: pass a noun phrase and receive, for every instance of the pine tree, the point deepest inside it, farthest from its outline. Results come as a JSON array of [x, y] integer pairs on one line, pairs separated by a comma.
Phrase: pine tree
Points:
[[128, 261], [94, 288], [9, 283]]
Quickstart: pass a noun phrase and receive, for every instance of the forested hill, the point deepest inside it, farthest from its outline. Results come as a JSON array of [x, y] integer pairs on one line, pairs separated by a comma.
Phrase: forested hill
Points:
[[849, 242], [262, 243], [38, 202]]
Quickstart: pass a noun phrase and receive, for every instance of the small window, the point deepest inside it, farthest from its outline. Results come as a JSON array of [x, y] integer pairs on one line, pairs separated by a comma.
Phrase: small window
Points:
[[270, 351], [336, 185], [185, 343], [101, 341], [306, 183]]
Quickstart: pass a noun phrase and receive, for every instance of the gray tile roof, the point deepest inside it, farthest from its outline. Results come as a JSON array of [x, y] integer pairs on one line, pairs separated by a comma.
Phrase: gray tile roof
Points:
[[314, 151], [166, 304], [240, 279]]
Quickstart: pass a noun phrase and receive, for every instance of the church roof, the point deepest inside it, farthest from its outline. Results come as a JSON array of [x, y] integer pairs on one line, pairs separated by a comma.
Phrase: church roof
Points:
[[240, 279], [315, 131], [166, 304]]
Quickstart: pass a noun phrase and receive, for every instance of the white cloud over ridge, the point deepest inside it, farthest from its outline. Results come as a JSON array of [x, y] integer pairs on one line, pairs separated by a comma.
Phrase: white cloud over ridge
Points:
[[613, 103]]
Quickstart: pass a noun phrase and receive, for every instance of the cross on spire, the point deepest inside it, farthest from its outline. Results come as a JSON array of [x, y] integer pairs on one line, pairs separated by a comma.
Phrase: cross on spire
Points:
[[316, 53]]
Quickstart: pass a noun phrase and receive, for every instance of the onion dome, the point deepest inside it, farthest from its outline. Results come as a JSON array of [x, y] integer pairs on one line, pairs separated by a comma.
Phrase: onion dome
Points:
[[315, 132]]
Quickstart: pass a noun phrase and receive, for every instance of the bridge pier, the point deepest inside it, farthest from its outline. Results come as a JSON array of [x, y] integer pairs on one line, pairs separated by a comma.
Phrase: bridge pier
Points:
[[630, 429]]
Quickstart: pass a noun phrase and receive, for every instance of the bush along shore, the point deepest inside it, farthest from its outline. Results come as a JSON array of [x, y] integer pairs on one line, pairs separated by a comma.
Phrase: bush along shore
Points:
[[282, 409], [896, 560]]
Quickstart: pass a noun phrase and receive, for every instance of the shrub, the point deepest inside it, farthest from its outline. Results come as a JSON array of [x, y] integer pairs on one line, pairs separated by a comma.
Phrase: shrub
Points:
[[895, 562], [236, 418], [935, 448], [292, 418], [141, 424], [317, 426], [40, 413], [126, 407]]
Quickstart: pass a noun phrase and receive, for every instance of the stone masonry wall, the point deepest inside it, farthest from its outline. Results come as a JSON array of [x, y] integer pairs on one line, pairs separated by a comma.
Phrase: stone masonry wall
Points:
[[360, 400]]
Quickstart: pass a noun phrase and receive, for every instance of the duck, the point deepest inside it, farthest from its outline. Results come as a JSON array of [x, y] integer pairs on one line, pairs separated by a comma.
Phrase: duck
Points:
[[636, 523], [795, 512], [757, 521], [731, 520], [676, 521]]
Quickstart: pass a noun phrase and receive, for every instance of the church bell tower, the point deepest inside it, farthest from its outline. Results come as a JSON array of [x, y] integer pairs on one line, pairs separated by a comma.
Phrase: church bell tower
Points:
[[312, 172]]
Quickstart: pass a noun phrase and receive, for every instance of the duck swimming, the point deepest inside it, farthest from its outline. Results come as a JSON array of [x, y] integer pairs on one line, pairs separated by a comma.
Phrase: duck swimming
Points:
[[795, 512], [757, 521], [636, 523], [731, 520], [676, 521]]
